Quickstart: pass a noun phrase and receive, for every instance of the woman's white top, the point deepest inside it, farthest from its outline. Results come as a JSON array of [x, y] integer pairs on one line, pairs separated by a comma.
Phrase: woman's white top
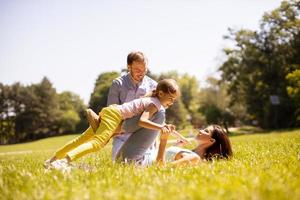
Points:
[[172, 151]]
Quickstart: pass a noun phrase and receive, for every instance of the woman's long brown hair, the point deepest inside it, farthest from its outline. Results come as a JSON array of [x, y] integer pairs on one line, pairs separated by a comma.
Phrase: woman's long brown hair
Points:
[[222, 147]]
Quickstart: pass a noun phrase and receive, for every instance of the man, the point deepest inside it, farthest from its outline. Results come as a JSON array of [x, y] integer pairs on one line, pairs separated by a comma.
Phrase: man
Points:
[[128, 87]]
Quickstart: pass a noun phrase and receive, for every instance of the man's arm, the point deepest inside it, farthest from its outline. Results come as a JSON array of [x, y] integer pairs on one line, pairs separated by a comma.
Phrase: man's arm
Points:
[[114, 93]]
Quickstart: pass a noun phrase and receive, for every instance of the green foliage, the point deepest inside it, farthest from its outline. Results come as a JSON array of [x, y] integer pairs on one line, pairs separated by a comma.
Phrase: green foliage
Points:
[[264, 166], [190, 92], [6, 125], [256, 68], [189, 87], [68, 121], [41, 111], [98, 98], [215, 104], [37, 111], [212, 114], [177, 115], [71, 108], [293, 90]]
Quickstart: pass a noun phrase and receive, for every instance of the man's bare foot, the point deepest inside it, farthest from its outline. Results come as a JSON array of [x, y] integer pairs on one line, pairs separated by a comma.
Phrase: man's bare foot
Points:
[[93, 119]]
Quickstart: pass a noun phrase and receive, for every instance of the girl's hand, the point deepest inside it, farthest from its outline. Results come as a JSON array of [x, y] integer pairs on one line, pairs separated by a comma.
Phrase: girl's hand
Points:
[[184, 141], [171, 127], [165, 129], [179, 143], [181, 138], [165, 132]]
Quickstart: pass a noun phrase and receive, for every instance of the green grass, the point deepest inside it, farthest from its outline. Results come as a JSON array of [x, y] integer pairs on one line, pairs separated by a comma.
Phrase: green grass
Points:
[[47, 144], [264, 166]]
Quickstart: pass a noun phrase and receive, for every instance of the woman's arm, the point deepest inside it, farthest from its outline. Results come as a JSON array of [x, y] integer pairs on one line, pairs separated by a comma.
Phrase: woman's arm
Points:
[[181, 159], [160, 159]]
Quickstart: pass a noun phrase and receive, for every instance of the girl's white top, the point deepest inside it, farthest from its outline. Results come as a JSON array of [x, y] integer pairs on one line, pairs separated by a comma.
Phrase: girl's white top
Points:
[[172, 151], [137, 106]]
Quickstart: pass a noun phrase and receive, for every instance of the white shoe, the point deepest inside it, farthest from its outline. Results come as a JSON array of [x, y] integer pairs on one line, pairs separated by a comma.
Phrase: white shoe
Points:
[[61, 165], [47, 164]]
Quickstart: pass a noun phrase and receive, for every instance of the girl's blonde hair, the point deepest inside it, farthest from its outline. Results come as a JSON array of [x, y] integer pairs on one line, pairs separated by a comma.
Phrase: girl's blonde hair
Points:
[[168, 86]]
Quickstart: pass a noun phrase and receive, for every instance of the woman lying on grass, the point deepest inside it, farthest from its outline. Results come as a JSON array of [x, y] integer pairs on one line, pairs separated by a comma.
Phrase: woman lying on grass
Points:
[[212, 143]]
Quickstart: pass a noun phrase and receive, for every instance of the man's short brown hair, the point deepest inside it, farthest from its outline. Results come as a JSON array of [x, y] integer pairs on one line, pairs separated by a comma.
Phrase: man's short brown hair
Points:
[[136, 56]]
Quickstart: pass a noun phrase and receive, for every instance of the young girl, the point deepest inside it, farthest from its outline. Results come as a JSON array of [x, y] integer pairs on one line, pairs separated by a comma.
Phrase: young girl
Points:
[[112, 116]]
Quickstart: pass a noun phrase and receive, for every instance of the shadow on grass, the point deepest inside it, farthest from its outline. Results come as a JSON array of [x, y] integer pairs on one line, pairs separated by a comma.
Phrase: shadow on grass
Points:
[[248, 130]]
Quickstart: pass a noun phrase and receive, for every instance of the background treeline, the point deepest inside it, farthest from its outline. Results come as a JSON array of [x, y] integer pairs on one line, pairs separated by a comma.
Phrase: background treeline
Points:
[[196, 106], [262, 70], [37, 111], [259, 85]]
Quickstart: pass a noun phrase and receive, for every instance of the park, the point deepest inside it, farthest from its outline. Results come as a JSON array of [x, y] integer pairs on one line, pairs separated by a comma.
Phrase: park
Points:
[[238, 116]]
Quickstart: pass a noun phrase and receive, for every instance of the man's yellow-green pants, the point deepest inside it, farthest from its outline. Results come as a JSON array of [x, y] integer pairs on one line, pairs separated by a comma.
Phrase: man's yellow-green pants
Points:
[[89, 142]]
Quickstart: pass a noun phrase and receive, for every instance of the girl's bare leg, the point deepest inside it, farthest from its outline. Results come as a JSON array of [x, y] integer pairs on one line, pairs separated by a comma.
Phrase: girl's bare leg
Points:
[[93, 119]]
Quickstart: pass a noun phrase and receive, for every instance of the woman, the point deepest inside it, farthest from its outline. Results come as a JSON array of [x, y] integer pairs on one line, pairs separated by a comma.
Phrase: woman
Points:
[[212, 143]]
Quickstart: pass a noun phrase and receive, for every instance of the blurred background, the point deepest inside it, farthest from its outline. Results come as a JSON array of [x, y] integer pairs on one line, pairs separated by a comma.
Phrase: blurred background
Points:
[[237, 62]]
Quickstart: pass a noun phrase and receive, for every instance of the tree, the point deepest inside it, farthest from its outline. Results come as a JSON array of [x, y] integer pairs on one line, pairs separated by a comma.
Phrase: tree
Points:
[[293, 90], [71, 108], [215, 103], [190, 92], [98, 98], [257, 67], [41, 111], [37, 111], [7, 115]]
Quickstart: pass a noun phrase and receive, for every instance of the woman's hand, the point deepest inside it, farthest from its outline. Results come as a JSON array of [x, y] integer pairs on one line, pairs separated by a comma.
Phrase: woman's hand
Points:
[[164, 130], [184, 140]]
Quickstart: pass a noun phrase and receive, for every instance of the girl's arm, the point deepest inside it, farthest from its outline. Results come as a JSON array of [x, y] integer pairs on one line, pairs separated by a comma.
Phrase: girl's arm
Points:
[[147, 123], [181, 137]]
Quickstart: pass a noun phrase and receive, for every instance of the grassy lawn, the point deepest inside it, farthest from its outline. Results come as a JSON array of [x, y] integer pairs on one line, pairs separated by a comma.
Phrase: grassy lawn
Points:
[[264, 166]]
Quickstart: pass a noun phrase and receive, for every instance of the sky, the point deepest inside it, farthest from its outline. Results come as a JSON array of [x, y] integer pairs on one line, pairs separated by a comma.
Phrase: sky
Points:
[[72, 41]]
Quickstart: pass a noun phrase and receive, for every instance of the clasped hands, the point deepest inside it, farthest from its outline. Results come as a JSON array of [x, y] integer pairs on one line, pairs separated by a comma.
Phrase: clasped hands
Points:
[[167, 129]]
